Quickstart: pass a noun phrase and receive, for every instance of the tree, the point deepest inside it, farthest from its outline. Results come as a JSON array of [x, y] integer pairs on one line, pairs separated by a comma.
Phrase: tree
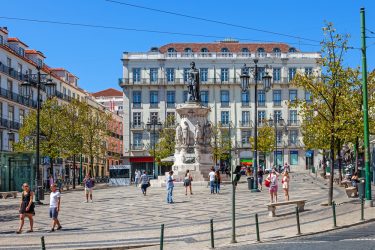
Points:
[[221, 143], [265, 139]]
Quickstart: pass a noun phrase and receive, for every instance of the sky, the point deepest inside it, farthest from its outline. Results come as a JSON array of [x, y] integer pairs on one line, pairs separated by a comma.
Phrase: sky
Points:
[[93, 54]]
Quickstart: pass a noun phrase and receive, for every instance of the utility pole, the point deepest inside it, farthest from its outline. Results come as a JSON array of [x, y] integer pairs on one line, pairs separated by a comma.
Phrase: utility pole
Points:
[[368, 197]]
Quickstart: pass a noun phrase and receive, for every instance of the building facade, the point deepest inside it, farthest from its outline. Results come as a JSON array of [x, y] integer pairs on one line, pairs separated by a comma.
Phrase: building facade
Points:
[[155, 82], [112, 99]]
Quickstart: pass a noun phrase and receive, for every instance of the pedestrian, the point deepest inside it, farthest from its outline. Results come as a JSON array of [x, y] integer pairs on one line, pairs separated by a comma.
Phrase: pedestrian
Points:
[[211, 176], [217, 182], [54, 207], [285, 182], [286, 167], [89, 186], [355, 179], [26, 208], [260, 174], [187, 182], [137, 176], [273, 179], [170, 186], [59, 183], [145, 183], [51, 181]]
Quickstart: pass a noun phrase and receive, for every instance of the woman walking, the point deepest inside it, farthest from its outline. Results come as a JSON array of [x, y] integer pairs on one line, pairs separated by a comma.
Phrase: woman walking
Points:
[[187, 182], [260, 174], [144, 182], [273, 179], [285, 182], [26, 208], [217, 182]]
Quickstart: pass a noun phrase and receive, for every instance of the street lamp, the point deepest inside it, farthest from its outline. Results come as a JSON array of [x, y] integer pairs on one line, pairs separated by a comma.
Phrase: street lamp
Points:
[[35, 81], [244, 86], [153, 125], [276, 120]]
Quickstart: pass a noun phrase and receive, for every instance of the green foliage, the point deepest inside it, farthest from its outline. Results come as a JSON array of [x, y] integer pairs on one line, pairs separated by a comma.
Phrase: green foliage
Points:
[[166, 144], [266, 139], [221, 143]]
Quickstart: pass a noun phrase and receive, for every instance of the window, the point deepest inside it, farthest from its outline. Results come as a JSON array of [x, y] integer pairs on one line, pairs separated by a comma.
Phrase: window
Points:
[[171, 99], [153, 75], [224, 50], [245, 52], [137, 99], [224, 118], [308, 71], [292, 95], [154, 99], [171, 50], [188, 50], [11, 113], [9, 62], [279, 136], [276, 97], [154, 138], [185, 96], [293, 117], [19, 69], [293, 136], [261, 52], [224, 98], [245, 137], [261, 73], [292, 50], [308, 96], [137, 140], [22, 115], [292, 73], [245, 99], [293, 157], [204, 74], [277, 115], [136, 74], [10, 85], [276, 74], [261, 117], [224, 74], [186, 74], [1, 39], [21, 51], [245, 118], [137, 116], [154, 116], [204, 98], [276, 52], [261, 98], [64, 91], [170, 74], [39, 62], [204, 50], [1, 110]]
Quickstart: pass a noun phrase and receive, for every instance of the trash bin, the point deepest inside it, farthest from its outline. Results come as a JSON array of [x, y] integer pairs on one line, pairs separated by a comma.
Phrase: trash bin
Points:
[[40, 193], [250, 182], [361, 188]]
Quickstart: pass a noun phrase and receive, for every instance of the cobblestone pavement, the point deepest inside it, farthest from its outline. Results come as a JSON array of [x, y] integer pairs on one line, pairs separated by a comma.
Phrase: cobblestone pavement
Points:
[[122, 216]]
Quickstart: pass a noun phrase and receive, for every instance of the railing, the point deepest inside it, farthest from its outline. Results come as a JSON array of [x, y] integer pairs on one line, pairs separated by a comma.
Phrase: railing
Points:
[[137, 105], [261, 103], [154, 105], [294, 143], [175, 80], [225, 104], [224, 124], [246, 124], [140, 147], [245, 104], [17, 98], [171, 105], [137, 125], [10, 124], [293, 122], [277, 103]]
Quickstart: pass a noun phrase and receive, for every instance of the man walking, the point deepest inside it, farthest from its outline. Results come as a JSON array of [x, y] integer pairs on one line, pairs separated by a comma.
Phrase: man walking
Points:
[[54, 207], [144, 182], [170, 186], [89, 185], [137, 176], [211, 175]]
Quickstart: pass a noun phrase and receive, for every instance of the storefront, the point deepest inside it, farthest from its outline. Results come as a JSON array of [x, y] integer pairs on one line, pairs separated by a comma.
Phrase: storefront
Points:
[[142, 163]]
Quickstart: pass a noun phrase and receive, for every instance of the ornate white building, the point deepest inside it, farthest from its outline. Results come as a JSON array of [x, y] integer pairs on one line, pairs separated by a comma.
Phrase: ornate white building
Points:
[[155, 82]]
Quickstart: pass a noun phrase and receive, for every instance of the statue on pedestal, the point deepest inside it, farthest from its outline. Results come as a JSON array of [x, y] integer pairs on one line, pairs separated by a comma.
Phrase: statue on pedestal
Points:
[[198, 134], [194, 94], [185, 134], [207, 134], [178, 135]]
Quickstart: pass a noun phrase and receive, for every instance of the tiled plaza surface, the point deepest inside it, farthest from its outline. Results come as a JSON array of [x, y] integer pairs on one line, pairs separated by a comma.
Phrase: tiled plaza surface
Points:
[[122, 216]]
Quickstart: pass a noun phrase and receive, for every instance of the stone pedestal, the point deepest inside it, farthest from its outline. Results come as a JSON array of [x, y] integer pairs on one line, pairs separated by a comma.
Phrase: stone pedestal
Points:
[[193, 149]]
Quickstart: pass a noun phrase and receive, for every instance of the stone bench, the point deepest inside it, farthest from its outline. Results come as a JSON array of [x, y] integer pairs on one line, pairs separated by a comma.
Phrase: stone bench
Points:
[[272, 206], [5, 195], [351, 192]]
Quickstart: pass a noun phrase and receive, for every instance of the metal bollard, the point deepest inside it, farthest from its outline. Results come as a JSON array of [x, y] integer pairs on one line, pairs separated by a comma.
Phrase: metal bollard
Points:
[[43, 243], [212, 234], [334, 213], [298, 224], [161, 236], [257, 227], [362, 209]]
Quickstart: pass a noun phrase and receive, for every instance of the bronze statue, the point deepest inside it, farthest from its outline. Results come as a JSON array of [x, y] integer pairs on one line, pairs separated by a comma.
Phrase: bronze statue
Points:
[[194, 94]]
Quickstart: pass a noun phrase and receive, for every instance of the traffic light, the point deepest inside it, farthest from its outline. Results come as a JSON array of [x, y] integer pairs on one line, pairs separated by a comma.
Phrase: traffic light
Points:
[[237, 174]]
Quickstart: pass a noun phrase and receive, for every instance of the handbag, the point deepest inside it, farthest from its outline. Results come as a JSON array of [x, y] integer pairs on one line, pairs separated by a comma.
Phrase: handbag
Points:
[[148, 184], [267, 182]]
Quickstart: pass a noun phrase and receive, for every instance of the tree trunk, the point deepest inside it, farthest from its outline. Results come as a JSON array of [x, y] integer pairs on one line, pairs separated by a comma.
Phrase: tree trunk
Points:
[[91, 170], [339, 159], [332, 156], [74, 171], [356, 154], [324, 165]]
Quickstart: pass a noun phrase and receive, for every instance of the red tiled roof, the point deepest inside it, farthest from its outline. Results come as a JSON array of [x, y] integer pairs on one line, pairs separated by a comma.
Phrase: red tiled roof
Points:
[[15, 39], [4, 30], [58, 69], [231, 46], [107, 92], [33, 51]]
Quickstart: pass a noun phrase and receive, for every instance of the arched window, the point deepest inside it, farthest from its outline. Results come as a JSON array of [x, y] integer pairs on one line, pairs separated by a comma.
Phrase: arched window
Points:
[[204, 50], [276, 52], [261, 52], [154, 49], [188, 50], [292, 50], [171, 50], [245, 52], [224, 50]]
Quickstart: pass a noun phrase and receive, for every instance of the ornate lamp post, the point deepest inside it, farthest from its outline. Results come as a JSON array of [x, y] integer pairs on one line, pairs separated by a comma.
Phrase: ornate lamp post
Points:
[[152, 126], [245, 77], [38, 81], [276, 120]]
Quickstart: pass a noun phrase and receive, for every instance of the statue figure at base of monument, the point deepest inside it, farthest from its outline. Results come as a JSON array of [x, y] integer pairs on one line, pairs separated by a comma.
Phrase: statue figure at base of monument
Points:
[[185, 134]]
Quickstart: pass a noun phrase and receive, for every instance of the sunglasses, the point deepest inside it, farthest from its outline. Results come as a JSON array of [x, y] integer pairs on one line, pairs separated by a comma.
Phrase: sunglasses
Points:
[[26, 186]]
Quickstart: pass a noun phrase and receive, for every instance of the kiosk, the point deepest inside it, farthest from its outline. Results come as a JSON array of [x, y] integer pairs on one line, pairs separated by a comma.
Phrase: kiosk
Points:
[[119, 175]]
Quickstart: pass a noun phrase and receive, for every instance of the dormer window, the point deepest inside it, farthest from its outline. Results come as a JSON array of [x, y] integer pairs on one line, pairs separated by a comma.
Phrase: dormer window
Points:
[[277, 52], [224, 50], [261, 52], [39, 62], [21, 51], [292, 50], [171, 50], [245, 52], [154, 49], [188, 50], [204, 50], [1, 39]]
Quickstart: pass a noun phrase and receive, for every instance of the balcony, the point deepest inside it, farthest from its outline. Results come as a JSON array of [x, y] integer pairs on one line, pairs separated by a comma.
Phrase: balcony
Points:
[[244, 144], [224, 124], [261, 103], [171, 105], [225, 104], [173, 80], [293, 123], [154, 105], [294, 143], [137, 105], [5, 123], [277, 103], [17, 98], [245, 104], [138, 147], [137, 126], [246, 124]]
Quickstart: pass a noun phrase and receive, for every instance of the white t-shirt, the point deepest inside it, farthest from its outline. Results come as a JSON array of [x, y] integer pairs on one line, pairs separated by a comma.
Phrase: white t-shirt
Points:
[[54, 199], [212, 175]]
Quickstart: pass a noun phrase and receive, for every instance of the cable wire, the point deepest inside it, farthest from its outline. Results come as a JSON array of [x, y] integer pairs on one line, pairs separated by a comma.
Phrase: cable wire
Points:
[[211, 21]]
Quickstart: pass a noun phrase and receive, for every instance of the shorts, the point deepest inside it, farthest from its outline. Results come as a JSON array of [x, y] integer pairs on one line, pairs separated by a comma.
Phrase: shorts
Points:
[[53, 212], [88, 190], [260, 180], [273, 189]]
